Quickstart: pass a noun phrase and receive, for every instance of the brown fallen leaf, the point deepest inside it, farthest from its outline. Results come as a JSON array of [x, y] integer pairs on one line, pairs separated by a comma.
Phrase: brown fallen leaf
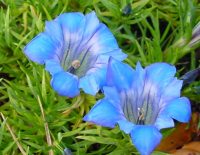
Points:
[[186, 152], [177, 139], [182, 135], [195, 146]]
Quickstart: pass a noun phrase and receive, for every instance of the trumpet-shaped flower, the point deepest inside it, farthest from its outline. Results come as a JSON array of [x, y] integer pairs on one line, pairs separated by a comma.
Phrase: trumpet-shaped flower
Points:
[[141, 102], [75, 50]]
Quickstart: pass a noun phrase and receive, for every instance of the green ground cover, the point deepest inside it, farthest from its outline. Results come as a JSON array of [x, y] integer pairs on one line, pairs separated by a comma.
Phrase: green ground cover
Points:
[[36, 120]]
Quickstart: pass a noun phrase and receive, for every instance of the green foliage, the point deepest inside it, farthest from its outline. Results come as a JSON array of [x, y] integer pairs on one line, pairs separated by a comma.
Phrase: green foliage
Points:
[[37, 120]]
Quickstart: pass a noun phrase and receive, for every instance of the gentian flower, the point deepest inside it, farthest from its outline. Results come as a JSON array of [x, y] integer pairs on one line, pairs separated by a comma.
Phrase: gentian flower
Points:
[[141, 102], [75, 50]]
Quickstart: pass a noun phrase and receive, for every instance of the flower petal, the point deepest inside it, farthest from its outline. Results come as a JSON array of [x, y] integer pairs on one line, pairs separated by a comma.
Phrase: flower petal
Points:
[[89, 84], [112, 95], [126, 126], [41, 48], [116, 54], [94, 79], [96, 75], [172, 90], [73, 26], [179, 109], [164, 121], [119, 74], [104, 114], [138, 80], [102, 41], [91, 26], [65, 84], [145, 138], [160, 74], [53, 66], [139, 77], [54, 31]]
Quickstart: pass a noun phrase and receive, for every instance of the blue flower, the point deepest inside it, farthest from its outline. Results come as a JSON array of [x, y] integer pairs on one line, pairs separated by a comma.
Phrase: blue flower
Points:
[[75, 50], [141, 102]]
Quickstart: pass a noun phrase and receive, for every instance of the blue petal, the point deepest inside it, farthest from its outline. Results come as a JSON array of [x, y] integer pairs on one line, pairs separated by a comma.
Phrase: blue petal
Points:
[[116, 54], [53, 66], [102, 41], [119, 75], [126, 126], [145, 138], [160, 74], [138, 79], [172, 90], [179, 109], [94, 79], [164, 121], [104, 114], [113, 96], [89, 84], [41, 48], [139, 76], [73, 26], [65, 84], [54, 31], [91, 26]]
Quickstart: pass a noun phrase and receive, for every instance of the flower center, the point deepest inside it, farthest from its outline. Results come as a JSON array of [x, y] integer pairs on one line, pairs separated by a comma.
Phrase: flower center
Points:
[[146, 112], [141, 116], [141, 108], [74, 66], [77, 60]]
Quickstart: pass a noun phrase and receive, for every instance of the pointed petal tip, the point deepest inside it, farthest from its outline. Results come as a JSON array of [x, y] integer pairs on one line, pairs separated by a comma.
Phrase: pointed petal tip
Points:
[[104, 114], [40, 48], [139, 67], [179, 109], [118, 73], [138, 64], [85, 118], [92, 13]]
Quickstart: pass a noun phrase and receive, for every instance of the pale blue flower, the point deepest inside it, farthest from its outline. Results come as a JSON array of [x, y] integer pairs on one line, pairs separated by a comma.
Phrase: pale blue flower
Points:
[[141, 102], [75, 50]]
